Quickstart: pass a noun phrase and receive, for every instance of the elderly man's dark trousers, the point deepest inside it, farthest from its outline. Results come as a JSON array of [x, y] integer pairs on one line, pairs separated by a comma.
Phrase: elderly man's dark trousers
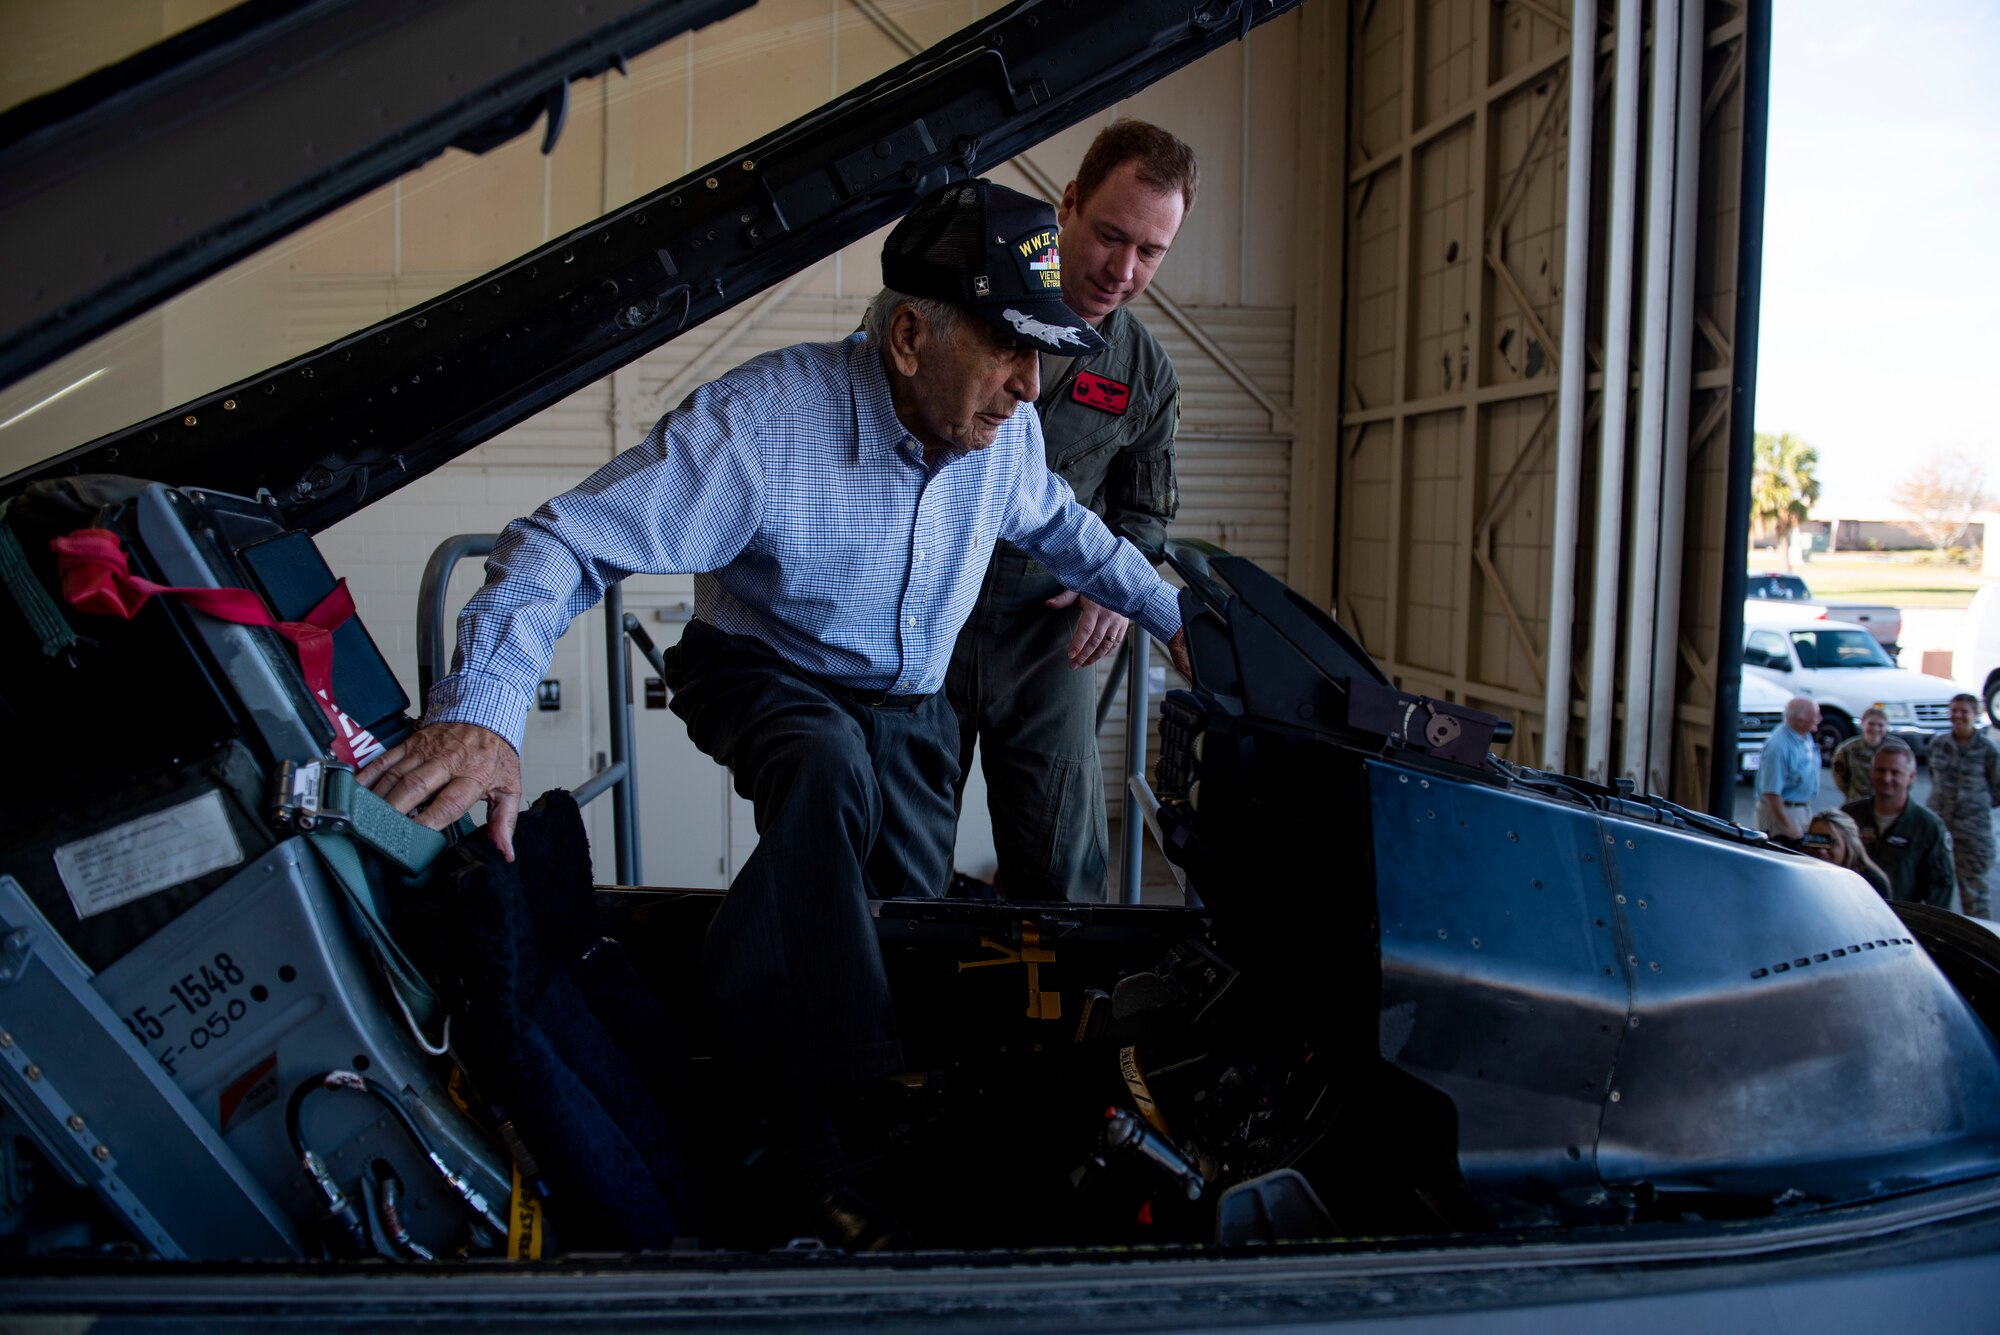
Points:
[[852, 800]]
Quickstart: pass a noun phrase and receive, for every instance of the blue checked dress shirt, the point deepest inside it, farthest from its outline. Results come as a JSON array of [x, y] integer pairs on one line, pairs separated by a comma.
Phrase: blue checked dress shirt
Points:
[[804, 508], [1789, 767]]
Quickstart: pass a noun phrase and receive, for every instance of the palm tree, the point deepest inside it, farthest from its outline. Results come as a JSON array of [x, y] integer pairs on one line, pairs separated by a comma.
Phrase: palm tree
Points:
[[1784, 487]]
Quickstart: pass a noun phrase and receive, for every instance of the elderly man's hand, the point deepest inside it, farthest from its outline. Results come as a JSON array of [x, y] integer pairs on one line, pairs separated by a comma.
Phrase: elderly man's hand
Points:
[[1099, 630], [451, 766], [1178, 651]]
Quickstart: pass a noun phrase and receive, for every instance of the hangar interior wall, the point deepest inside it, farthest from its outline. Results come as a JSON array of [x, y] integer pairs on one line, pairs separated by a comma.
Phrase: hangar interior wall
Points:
[[1455, 167]]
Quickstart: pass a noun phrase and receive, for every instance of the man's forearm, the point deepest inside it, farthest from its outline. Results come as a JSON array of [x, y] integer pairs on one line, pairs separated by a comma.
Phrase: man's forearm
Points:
[[498, 704], [1775, 804], [507, 632], [1081, 552], [1146, 532]]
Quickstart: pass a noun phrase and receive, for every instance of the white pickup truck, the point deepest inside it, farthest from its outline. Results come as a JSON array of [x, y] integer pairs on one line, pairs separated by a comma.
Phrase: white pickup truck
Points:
[[1885, 623], [1975, 660], [1841, 668]]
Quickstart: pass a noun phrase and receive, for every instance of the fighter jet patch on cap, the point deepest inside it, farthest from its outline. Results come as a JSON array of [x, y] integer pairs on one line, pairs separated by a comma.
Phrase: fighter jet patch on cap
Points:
[[1107, 396], [1039, 261]]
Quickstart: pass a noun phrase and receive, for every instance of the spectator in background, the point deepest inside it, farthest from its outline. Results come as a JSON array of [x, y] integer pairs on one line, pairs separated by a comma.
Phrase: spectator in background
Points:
[[1965, 787], [1788, 772], [1905, 838], [1834, 837], [1856, 754]]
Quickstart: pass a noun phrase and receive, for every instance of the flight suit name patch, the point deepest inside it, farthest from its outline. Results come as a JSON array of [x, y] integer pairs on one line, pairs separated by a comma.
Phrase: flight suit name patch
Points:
[[1107, 396]]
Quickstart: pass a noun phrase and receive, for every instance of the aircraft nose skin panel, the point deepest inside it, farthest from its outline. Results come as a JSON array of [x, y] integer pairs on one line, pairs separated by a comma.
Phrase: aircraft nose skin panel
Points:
[[1624, 1014], [1498, 986], [1773, 1008]]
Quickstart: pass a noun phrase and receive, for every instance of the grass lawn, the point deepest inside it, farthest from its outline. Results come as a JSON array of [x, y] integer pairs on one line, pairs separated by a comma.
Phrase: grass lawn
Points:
[[1903, 579]]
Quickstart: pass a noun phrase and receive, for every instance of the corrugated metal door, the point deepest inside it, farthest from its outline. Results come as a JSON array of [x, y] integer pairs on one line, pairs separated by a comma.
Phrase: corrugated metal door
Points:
[[1454, 173]]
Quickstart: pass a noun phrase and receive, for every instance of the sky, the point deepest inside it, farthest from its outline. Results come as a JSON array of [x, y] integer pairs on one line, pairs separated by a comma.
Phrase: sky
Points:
[[1881, 283]]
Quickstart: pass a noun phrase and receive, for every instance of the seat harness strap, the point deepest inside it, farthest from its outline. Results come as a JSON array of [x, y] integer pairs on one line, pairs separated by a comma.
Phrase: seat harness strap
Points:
[[97, 579]]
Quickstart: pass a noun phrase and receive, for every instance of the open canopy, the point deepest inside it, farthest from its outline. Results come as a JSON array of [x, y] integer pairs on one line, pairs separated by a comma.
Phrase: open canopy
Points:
[[139, 180], [353, 421]]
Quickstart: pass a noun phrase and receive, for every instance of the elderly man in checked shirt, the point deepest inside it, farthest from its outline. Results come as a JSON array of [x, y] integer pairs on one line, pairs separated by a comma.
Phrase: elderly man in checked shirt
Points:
[[839, 504]]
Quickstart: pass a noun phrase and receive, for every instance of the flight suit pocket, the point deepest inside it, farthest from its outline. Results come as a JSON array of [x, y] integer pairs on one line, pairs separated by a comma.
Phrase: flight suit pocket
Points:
[[1088, 455], [1068, 846], [1152, 485]]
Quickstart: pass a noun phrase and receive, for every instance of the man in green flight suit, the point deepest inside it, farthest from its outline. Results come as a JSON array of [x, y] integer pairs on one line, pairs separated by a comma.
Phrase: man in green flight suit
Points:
[[1016, 675], [1904, 837]]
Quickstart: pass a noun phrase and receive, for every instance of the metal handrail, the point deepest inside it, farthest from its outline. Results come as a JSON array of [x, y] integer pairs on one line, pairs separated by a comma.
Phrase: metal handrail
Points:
[[1136, 709], [1111, 680], [650, 650], [621, 775], [430, 604], [1133, 663], [624, 747], [593, 788]]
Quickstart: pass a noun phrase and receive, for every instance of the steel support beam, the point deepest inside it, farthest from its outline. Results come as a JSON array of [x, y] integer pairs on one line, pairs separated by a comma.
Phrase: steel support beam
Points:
[[1569, 430], [1676, 445], [1617, 357], [1649, 448]]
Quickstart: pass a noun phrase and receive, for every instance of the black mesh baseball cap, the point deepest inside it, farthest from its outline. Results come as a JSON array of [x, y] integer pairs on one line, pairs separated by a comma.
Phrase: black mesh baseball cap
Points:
[[993, 251]]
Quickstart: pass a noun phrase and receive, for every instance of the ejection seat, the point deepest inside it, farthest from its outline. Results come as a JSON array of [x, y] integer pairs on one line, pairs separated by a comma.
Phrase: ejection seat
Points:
[[191, 915]]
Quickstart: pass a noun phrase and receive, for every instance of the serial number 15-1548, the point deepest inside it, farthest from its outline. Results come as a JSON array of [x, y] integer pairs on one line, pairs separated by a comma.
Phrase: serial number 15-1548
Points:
[[202, 989]]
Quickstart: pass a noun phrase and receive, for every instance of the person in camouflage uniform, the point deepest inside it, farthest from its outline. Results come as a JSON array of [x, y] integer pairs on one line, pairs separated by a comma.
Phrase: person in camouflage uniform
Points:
[[1856, 754], [1965, 787]]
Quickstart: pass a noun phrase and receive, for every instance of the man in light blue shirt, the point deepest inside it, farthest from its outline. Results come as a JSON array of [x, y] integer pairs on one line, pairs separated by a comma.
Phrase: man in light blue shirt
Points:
[[1788, 772], [839, 504]]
